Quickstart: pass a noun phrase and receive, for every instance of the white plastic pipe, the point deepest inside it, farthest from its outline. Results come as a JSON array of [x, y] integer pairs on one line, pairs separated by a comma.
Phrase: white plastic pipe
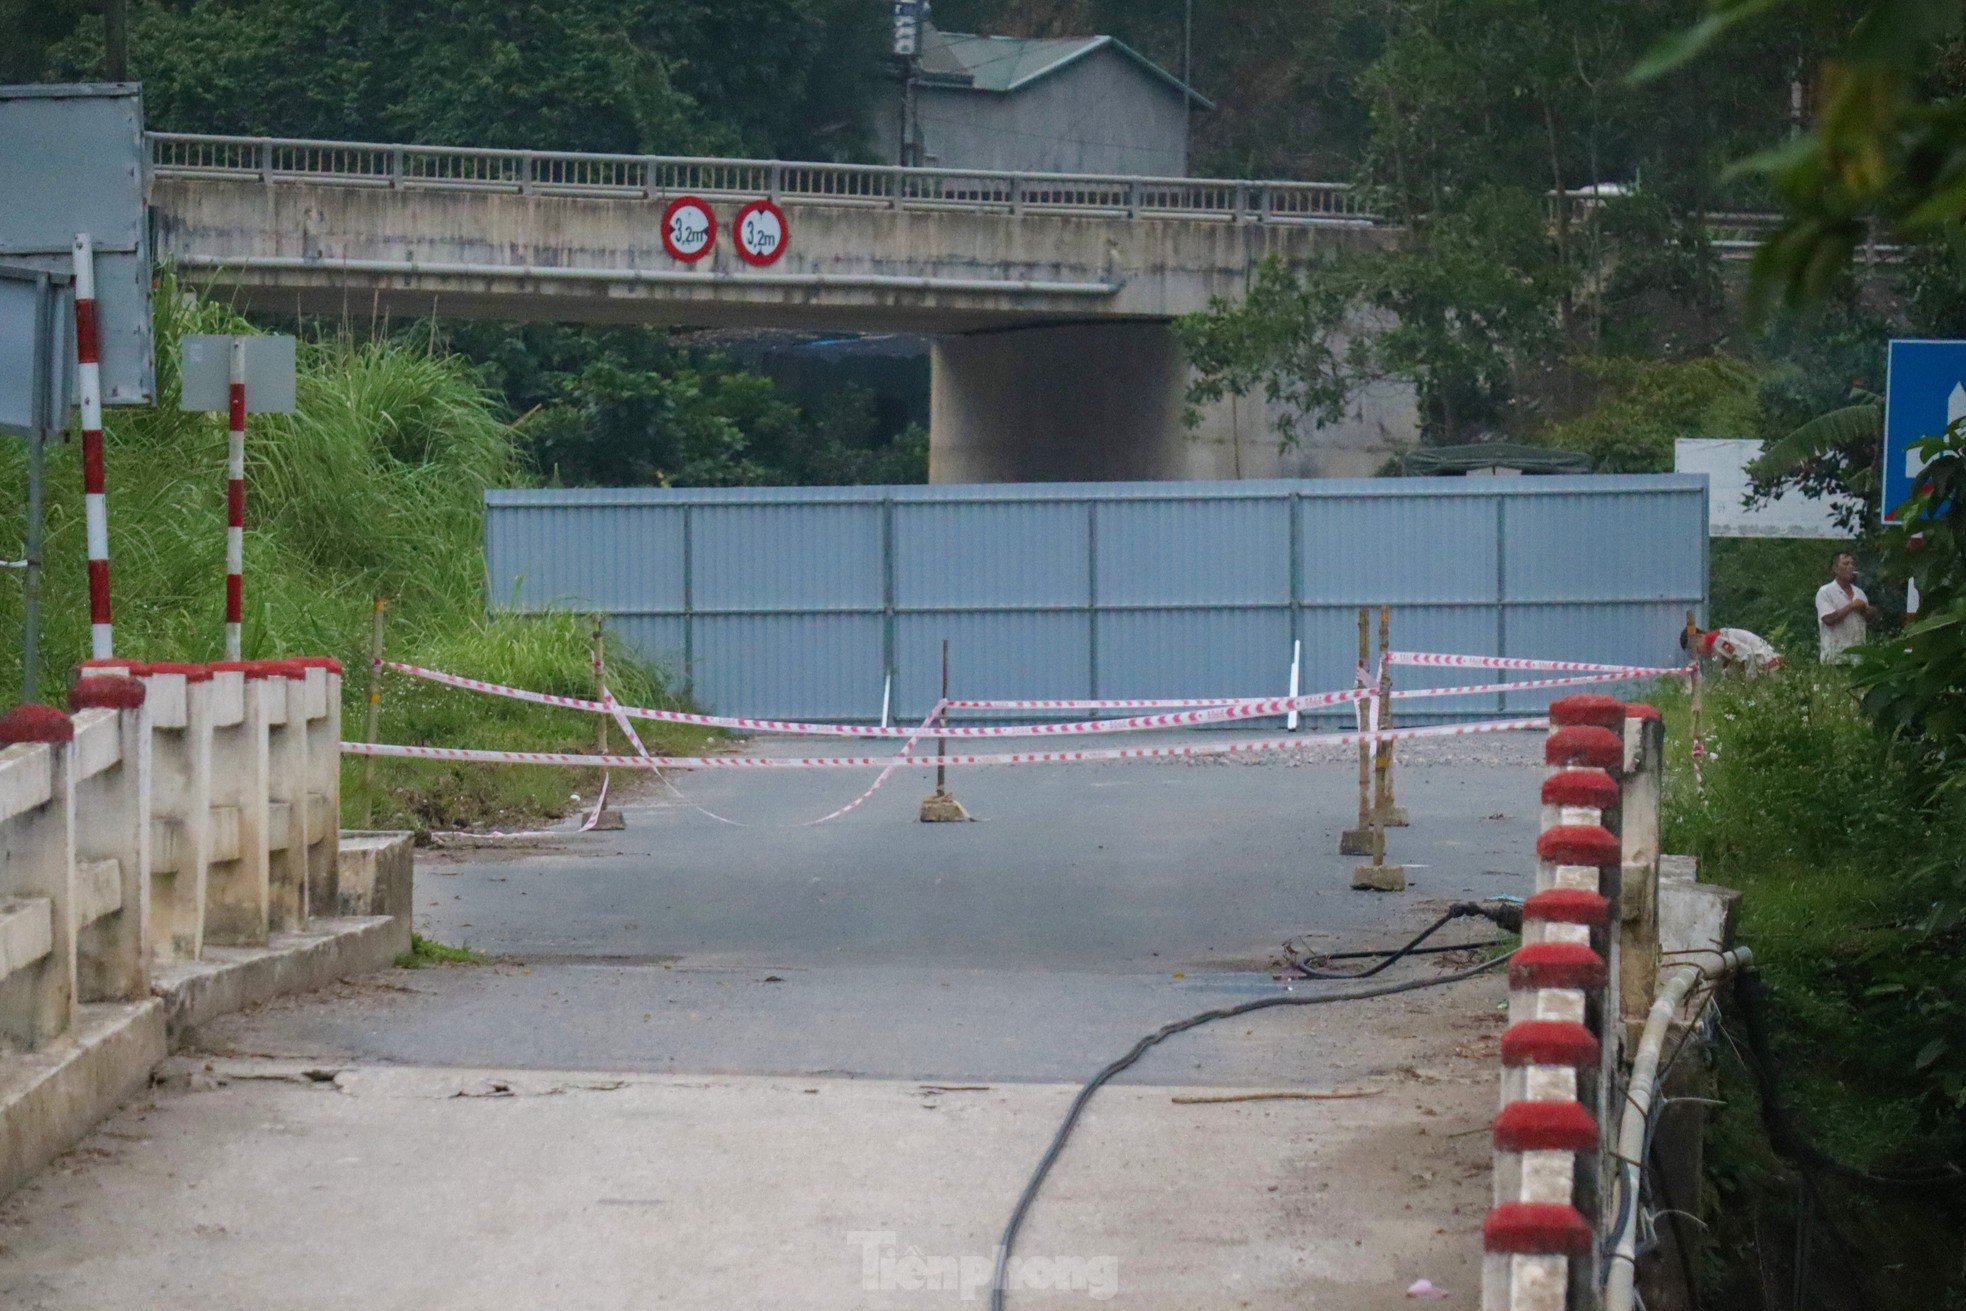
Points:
[[1620, 1283], [1296, 672]]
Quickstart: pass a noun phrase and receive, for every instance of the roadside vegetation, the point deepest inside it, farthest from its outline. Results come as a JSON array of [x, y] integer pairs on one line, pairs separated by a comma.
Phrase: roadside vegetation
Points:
[[426, 952], [1850, 868], [1834, 799], [374, 488]]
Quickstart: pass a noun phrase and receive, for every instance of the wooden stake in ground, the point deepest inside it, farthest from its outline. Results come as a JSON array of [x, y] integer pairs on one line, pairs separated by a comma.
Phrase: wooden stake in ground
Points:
[[372, 717], [1385, 808], [1693, 703], [939, 807], [1377, 875], [1358, 841], [610, 818]]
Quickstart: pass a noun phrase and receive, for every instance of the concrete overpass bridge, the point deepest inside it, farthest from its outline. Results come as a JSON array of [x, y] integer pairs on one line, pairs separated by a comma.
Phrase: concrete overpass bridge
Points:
[[1048, 297]]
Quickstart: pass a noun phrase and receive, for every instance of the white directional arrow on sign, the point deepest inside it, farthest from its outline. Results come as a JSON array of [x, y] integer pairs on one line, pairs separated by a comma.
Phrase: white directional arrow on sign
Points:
[[1955, 411]]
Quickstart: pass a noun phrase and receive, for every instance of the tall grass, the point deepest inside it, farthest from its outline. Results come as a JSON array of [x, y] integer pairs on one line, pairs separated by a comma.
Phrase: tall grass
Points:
[[1814, 815], [375, 487]]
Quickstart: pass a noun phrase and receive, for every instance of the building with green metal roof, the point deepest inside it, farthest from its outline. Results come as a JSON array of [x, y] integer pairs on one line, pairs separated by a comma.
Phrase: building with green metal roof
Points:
[[1080, 104]]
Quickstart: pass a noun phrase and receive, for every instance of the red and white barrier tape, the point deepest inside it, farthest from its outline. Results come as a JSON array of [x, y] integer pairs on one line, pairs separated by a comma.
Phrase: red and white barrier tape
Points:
[[1526, 685], [627, 726], [1214, 714], [1434, 660], [1169, 703], [1240, 747], [884, 775], [444, 839]]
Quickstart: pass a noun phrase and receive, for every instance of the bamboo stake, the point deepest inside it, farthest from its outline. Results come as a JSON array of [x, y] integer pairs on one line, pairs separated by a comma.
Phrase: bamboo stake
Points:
[[372, 716]]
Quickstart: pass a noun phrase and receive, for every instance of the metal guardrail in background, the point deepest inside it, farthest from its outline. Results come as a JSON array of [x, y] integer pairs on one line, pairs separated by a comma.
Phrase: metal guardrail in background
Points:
[[1734, 236], [655, 177]]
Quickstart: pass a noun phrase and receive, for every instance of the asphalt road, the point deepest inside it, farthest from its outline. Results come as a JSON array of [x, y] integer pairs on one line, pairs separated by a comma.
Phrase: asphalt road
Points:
[[760, 1067], [1086, 904]]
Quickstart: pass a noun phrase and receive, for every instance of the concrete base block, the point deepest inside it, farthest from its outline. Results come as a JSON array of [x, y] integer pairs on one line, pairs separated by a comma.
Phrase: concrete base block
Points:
[[609, 821], [1356, 842], [231, 978], [1394, 817], [51, 1097], [1379, 878], [376, 872], [942, 808]]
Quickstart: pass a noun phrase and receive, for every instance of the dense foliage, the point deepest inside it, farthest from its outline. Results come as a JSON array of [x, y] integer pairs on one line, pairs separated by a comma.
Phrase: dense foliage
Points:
[[1851, 880], [649, 76], [627, 407]]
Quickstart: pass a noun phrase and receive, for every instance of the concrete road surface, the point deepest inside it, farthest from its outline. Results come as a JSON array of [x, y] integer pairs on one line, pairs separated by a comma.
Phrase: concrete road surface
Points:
[[763, 1066]]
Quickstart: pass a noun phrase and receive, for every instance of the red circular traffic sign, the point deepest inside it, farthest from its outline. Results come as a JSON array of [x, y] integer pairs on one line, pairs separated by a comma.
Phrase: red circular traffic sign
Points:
[[760, 233], [689, 229]]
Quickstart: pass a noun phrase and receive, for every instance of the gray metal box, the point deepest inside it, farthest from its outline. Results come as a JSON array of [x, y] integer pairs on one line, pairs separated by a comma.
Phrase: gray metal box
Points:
[[37, 350], [205, 373], [72, 160]]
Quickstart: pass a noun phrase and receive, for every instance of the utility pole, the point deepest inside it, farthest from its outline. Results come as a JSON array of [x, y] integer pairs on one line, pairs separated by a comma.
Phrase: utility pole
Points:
[[116, 40], [909, 15], [1187, 80]]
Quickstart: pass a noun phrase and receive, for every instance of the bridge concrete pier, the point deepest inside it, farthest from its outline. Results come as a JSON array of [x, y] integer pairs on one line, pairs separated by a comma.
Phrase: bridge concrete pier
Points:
[[1098, 402], [1087, 402]]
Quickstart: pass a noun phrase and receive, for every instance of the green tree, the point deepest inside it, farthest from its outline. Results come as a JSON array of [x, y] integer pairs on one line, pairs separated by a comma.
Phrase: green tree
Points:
[[645, 76], [626, 407], [1550, 211]]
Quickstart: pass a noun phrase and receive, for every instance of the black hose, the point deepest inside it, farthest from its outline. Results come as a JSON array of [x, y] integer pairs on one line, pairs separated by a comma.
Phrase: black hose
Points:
[[1139, 1049], [1506, 914], [1785, 1135]]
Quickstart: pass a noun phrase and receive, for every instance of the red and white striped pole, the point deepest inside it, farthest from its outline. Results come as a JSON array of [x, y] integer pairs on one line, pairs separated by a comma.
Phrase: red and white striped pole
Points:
[[88, 360], [235, 500]]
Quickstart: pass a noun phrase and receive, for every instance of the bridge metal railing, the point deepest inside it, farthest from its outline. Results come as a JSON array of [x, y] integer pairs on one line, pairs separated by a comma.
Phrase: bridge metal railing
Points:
[[657, 177]]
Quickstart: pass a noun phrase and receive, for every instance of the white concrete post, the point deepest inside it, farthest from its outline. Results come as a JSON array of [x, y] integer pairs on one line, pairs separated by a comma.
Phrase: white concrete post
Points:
[[112, 842], [37, 877], [323, 729], [282, 688], [237, 892], [1638, 925], [180, 704]]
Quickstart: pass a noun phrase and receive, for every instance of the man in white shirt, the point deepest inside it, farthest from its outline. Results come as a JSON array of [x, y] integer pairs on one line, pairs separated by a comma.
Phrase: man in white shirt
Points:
[[1843, 612]]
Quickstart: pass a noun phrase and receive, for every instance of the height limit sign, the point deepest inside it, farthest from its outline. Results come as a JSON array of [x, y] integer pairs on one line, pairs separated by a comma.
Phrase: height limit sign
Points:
[[760, 232], [689, 229]]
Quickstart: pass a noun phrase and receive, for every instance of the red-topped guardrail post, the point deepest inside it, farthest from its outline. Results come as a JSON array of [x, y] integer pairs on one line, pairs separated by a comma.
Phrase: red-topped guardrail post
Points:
[[1538, 1238]]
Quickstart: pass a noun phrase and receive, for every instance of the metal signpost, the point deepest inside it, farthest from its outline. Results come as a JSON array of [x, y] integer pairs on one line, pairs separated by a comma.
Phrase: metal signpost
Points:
[[909, 15], [37, 378], [72, 161], [238, 375]]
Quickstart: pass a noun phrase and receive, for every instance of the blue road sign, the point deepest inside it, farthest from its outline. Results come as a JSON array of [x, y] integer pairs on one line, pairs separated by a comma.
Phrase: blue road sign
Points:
[[1924, 394]]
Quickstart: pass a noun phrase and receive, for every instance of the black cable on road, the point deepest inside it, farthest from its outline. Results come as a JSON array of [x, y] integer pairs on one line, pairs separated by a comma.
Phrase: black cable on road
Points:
[[1504, 913], [1160, 1035]]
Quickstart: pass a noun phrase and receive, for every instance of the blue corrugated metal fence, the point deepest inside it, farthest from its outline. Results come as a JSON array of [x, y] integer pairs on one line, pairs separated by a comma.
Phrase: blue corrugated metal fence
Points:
[[798, 601]]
